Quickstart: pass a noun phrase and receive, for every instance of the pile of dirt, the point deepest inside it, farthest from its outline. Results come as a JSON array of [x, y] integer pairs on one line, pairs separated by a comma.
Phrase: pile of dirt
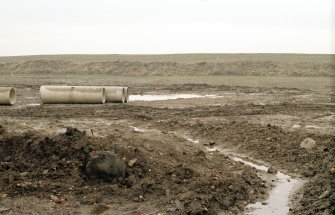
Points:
[[280, 148], [34, 164], [176, 182]]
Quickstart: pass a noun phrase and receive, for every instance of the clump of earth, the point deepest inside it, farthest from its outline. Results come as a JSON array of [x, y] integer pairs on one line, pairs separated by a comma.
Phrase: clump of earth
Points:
[[98, 170]]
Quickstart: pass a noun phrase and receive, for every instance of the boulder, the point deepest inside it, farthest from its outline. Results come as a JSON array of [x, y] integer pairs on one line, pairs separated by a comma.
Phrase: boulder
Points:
[[308, 143], [107, 166]]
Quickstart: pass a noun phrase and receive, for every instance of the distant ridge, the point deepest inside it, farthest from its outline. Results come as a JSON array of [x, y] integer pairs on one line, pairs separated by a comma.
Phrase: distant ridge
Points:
[[173, 64]]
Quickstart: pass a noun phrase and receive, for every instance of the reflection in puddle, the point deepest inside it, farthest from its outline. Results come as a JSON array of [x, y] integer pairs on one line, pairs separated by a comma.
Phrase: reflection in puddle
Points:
[[167, 97], [191, 140], [279, 196], [259, 167], [137, 129], [278, 200], [33, 104], [312, 126]]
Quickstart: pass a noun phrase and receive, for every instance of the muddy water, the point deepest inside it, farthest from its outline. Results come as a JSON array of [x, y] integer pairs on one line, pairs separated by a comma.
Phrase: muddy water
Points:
[[279, 196], [191, 140], [167, 97]]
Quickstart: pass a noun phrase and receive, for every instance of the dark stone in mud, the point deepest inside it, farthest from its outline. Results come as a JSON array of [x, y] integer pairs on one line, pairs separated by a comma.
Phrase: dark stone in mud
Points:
[[200, 154], [2, 130], [99, 209], [197, 208], [107, 166], [74, 132], [272, 170]]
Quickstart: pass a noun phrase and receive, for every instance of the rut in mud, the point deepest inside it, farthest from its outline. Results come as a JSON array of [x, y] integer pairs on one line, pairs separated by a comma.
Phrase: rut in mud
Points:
[[278, 147]]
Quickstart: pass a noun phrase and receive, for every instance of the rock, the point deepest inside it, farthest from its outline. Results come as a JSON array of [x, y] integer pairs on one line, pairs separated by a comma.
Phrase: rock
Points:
[[26, 185], [107, 166], [148, 147], [23, 174], [308, 143], [325, 194], [2, 129], [200, 154], [211, 143], [197, 208], [132, 162], [2, 209], [179, 205], [57, 199], [99, 209], [326, 212], [89, 132], [171, 209], [272, 170], [324, 205]]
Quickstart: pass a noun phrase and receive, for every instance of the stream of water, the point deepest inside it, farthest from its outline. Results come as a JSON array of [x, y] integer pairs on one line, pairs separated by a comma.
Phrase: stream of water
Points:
[[279, 196]]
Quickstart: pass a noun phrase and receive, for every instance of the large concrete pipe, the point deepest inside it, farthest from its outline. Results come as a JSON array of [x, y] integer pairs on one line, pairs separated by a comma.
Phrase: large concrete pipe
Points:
[[7, 96], [72, 95], [115, 94]]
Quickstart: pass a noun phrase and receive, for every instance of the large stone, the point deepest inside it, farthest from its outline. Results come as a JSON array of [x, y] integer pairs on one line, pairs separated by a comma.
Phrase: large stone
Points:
[[308, 143], [107, 166]]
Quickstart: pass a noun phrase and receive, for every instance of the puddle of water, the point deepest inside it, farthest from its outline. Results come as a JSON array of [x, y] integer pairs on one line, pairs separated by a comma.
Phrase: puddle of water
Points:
[[312, 126], [33, 104], [256, 166], [279, 196], [137, 129], [167, 97], [278, 201]]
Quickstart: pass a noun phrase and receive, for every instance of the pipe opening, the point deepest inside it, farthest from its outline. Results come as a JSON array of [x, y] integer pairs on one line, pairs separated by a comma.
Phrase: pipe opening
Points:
[[103, 95], [123, 95], [12, 96], [127, 94]]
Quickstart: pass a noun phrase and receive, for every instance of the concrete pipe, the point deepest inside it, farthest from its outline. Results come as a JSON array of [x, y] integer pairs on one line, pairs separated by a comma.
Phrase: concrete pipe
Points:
[[7, 96], [115, 94], [72, 95]]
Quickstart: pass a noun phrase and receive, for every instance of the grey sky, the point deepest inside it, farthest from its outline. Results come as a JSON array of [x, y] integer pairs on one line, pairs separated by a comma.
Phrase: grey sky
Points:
[[166, 26]]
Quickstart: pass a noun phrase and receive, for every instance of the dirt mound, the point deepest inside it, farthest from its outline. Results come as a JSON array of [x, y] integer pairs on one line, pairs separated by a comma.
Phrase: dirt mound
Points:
[[34, 165]]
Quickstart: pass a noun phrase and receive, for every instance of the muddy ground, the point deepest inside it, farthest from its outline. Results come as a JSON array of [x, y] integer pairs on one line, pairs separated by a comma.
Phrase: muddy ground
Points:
[[164, 144]]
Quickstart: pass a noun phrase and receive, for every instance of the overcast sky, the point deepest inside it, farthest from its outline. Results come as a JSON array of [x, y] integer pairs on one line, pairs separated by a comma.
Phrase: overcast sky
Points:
[[166, 26]]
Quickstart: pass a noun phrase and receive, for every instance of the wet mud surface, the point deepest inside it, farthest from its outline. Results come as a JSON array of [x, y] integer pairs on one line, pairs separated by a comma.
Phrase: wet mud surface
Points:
[[164, 146]]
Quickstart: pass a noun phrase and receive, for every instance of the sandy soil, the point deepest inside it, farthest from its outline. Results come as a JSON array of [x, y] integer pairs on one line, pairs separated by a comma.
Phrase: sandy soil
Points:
[[173, 172]]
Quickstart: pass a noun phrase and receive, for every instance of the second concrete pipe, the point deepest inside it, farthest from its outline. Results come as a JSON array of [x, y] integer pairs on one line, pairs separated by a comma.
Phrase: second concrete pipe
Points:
[[72, 94], [116, 94]]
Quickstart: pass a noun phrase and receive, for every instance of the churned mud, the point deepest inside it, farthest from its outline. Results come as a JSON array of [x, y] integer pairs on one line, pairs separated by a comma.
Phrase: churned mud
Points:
[[184, 148]]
